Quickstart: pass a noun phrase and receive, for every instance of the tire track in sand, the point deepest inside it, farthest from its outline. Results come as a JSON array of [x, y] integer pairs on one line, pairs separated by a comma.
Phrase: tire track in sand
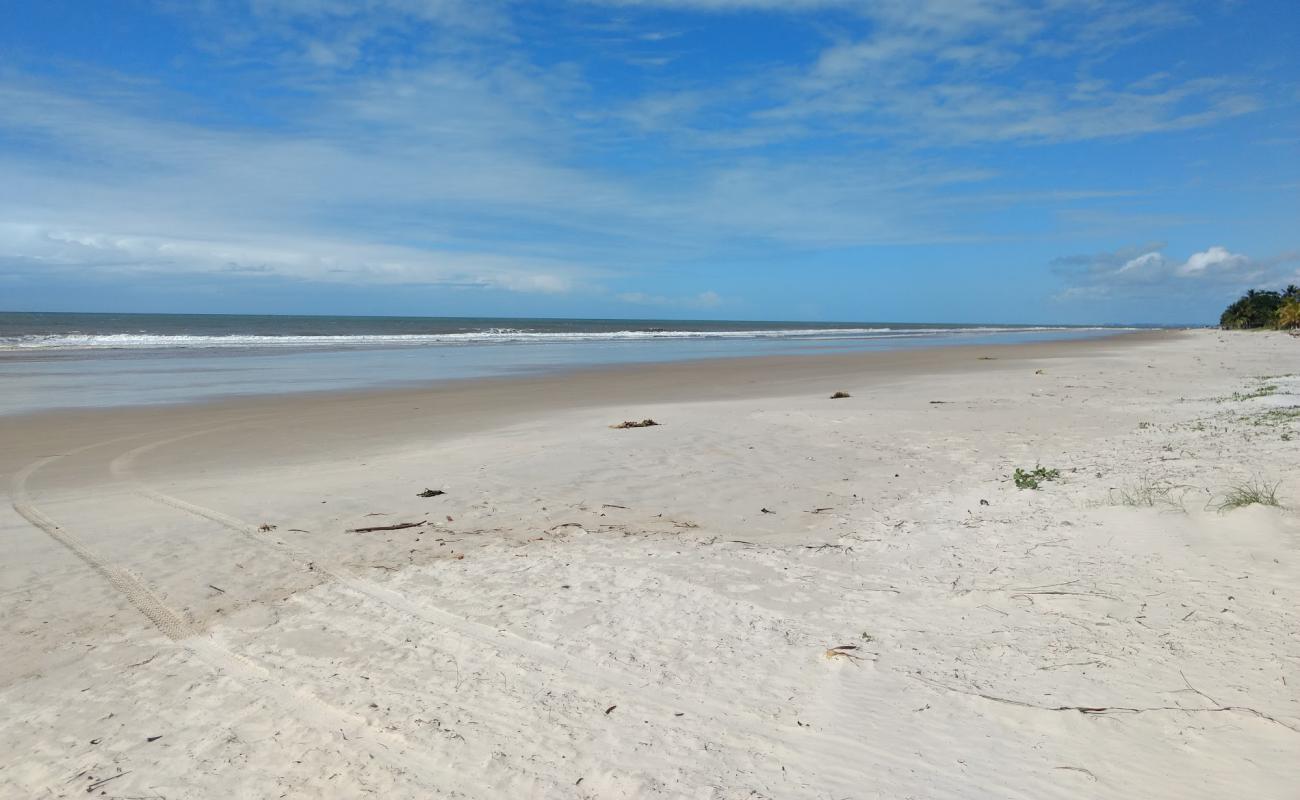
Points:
[[384, 746], [166, 619]]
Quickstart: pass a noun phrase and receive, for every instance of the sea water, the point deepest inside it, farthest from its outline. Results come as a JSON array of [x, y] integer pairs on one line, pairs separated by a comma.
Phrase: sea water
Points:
[[56, 360]]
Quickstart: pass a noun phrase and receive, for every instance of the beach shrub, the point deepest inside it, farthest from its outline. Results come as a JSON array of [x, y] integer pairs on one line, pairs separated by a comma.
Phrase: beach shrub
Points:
[[1032, 479]]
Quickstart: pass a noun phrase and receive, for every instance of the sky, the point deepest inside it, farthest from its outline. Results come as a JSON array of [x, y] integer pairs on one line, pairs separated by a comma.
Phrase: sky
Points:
[[1057, 161]]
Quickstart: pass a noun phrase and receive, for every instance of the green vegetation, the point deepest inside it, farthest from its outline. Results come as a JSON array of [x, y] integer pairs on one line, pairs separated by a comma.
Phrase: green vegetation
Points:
[[1262, 391], [1278, 416], [1288, 316], [1249, 494], [1033, 478], [1264, 309]]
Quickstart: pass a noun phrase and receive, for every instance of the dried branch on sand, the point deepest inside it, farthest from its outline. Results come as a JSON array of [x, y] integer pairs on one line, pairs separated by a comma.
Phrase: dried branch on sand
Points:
[[631, 423], [399, 526]]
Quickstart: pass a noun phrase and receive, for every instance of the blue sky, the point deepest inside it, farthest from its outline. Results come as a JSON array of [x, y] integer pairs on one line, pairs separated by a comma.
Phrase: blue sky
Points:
[[910, 160]]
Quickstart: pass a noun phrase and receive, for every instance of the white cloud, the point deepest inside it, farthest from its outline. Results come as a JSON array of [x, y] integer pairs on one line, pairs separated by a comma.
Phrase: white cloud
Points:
[[1148, 271], [1216, 259]]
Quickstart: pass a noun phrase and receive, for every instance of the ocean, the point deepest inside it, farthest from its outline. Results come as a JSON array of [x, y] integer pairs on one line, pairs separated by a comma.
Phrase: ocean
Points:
[[59, 360]]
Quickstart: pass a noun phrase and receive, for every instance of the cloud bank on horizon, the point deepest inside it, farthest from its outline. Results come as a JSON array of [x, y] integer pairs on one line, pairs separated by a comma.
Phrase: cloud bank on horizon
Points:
[[802, 159]]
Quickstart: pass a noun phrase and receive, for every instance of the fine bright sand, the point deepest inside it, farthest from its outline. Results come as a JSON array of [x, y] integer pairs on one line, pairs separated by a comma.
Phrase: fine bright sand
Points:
[[771, 594]]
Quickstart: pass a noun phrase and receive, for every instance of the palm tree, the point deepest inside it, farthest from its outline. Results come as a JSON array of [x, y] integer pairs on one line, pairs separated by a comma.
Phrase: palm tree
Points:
[[1257, 309], [1288, 315]]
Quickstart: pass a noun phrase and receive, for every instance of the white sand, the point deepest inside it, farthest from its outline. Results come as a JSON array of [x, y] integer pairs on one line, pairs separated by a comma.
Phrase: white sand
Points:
[[611, 614]]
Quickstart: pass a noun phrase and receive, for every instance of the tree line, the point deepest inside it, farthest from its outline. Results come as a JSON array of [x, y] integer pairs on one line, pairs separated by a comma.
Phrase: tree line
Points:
[[1264, 309]]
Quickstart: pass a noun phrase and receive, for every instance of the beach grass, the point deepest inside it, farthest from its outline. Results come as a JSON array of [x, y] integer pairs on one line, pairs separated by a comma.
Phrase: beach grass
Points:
[[1250, 493], [1149, 493]]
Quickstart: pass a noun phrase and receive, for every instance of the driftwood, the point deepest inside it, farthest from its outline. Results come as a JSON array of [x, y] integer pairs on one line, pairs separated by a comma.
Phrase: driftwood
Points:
[[399, 526]]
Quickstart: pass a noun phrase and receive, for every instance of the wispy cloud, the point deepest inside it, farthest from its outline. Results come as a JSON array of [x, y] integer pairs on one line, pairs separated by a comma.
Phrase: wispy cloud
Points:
[[727, 6], [377, 162], [335, 35], [75, 251], [701, 301], [944, 72]]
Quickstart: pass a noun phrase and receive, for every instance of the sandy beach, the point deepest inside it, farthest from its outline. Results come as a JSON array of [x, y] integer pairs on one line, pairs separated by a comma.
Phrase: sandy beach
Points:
[[770, 594]]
